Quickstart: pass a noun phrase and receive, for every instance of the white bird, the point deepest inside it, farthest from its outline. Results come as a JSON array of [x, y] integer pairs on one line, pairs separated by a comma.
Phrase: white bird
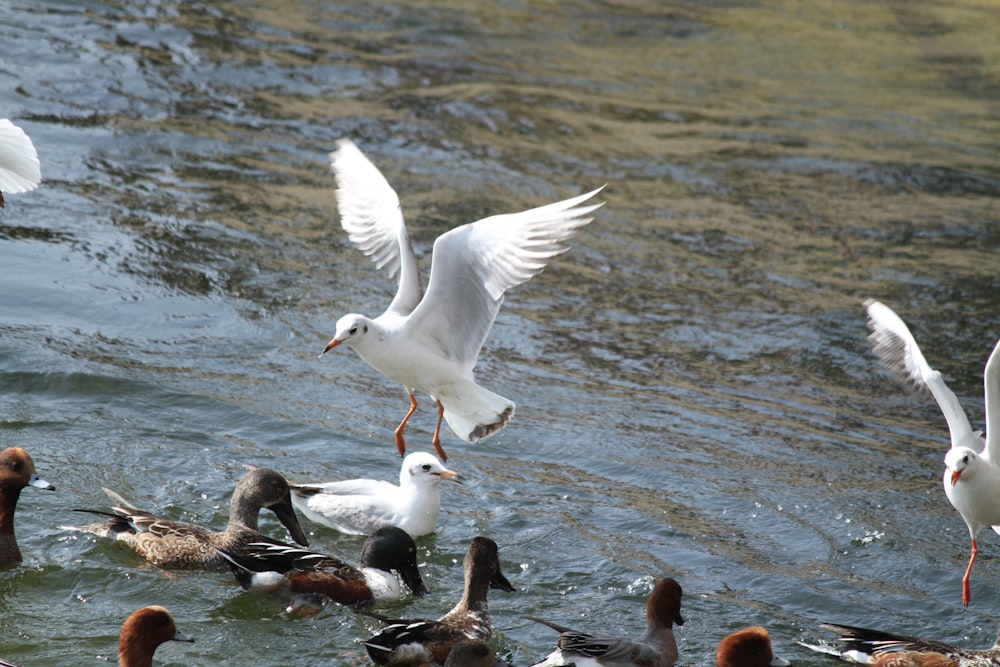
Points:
[[431, 344], [19, 167], [362, 506], [972, 465]]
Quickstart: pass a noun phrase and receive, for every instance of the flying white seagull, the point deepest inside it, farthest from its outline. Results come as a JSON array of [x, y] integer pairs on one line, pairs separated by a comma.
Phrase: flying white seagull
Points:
[[431, 342], [972, 465]]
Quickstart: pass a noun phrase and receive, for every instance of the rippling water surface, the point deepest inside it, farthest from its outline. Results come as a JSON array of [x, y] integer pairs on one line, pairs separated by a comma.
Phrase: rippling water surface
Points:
[[695, 393]]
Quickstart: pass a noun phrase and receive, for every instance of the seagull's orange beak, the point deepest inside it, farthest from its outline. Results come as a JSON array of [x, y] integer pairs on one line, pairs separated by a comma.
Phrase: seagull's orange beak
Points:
[[329, 346], [451, 476], [955, 474]]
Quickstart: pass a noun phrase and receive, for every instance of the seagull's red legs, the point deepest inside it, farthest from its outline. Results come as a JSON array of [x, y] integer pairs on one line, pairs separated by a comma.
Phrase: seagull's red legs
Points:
[[436, 441], [400, 442], [966, 589]]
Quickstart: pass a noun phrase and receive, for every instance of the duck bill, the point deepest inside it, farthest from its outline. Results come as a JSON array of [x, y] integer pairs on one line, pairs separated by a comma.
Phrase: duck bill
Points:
[[411, 578], [286, 514], [678, 619], [955, 474], [452, 476], [40, 483], [500, 582], [329, 346], [778, 662], [181, 637]]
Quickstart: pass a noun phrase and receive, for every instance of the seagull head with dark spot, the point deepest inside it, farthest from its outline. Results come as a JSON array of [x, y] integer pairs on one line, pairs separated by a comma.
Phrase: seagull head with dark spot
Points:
[[960, 460], [350, 329]]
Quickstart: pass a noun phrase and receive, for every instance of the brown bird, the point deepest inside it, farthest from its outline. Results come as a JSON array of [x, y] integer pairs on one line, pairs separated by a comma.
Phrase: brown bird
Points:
[[143, 631], [17, 471], [885, 649], [655, 647], [414, 642], [186, 546], [749, 647]]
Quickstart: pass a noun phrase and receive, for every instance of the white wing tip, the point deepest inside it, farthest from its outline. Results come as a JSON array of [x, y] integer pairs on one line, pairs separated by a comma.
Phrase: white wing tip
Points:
[[20, 170], [346, 149], [894, 346]]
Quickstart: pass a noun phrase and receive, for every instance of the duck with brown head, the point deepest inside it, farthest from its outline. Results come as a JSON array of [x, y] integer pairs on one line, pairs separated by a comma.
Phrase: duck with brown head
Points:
[[143, 631], [17, 471], [749, 647], [422, 641], [656, 647]]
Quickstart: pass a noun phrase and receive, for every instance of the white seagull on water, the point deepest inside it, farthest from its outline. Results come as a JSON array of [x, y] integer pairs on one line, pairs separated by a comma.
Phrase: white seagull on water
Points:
[[431, 343], [972, 465], [362, 506]]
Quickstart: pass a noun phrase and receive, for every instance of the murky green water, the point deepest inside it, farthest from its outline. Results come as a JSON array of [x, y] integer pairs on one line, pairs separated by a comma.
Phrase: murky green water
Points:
[[695, 393]]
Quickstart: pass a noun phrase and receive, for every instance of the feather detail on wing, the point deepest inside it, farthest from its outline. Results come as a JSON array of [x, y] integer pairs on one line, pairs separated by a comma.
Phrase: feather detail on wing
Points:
[[874, 642], [348, 487], [473, 265], [896, 348], [371, 215], [510, 249], [610, 650], [991, 383], [20, 170]]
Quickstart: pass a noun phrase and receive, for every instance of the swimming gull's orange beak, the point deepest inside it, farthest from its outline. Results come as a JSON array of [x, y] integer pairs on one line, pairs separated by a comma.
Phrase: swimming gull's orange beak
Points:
[[451, 476]]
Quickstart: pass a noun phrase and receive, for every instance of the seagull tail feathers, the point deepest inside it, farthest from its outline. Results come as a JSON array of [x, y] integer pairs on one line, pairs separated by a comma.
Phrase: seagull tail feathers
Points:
[[474, 413]]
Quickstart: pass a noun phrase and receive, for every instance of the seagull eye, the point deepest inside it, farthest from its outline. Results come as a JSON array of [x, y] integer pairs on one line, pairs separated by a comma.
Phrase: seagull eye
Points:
[[353, 330], [965, 459], [426, 467]]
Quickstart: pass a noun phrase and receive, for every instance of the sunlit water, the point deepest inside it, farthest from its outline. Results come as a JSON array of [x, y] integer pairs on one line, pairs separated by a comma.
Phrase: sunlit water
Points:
[[695, 393]]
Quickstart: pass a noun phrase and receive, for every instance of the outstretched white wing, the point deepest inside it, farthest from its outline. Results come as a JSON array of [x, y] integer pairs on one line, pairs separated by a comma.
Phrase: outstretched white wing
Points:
[[895, 347], [473, 265], [991, 383], [19, 167], [371, 215]]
